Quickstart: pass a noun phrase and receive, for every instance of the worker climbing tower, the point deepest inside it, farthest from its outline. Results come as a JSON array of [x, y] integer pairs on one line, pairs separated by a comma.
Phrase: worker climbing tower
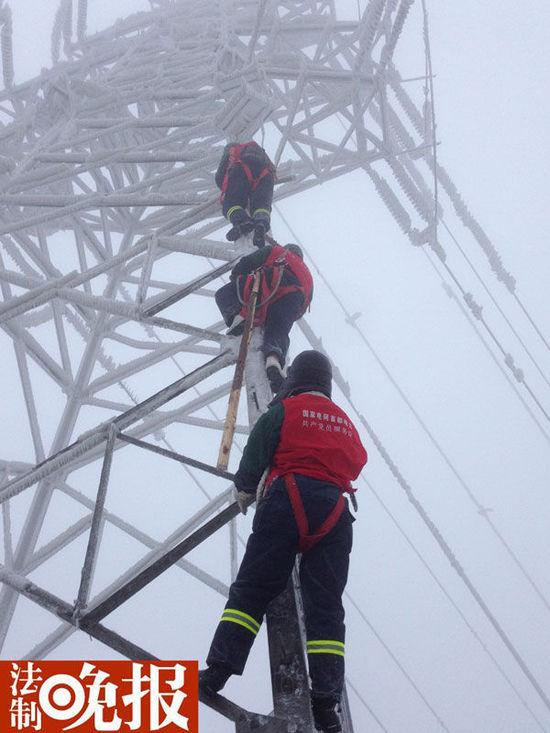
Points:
[[111, 248]]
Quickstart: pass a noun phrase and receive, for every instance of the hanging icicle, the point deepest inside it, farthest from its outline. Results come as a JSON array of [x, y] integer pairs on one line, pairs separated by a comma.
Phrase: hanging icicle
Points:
[[370, 25], [82, 19], [409, 189], [61, 27], [67, 26], [6, 35], [387, 51], [390, 199]]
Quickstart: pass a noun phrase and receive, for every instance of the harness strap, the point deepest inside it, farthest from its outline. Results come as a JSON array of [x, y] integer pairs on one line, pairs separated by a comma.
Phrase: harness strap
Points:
[[279, 267], [306, 540], [254, 181], [236, 159], [261, 307]]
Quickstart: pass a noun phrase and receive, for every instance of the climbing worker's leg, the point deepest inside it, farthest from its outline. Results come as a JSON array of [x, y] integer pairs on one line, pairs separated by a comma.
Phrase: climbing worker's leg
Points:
[[275, 373], [263, 574], [281, 314], [260, 208], [235, 203], [228, 302], [323, 576]]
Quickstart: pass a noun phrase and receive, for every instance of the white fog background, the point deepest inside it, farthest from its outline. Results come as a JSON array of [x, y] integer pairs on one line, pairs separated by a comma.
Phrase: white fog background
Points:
[[491, 62]]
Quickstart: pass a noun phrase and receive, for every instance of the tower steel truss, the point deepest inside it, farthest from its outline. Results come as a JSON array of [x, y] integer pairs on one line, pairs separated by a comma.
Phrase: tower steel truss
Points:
[[110, 248]]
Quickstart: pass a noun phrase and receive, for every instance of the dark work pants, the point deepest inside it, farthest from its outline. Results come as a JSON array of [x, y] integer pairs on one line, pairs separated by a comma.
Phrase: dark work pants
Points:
[[280, 317], [239, 191], [265, 571], [227, 300], [281, 314]]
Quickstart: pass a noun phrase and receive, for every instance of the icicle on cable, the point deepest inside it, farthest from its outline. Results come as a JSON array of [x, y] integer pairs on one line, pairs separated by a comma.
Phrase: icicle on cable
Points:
[[406, 142], [391, 200], [473, 225], [459, 205], [400, 18], [399, 130], [370, 24], [498, 307], [6, 39], [430, 125], [405, 101], [59, 28], [55, 43], [473, 305], [391, 7], [401, 133], [82, 19], [401, 140], [454, 561], [409, 189], [67, 26], [508, 360]]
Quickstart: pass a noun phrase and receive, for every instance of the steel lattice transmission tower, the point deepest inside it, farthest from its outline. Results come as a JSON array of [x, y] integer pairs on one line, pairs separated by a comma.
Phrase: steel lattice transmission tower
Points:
[[108, 211]]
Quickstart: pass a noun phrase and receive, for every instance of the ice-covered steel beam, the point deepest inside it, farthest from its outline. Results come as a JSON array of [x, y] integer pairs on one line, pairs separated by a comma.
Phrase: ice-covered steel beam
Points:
[[63, 611], [107, 201], [95, 437], [154, 569]]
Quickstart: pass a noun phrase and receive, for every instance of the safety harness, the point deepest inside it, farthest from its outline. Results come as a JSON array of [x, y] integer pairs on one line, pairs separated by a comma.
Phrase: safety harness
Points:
[[271, 290], [306, 540], [235, 158]]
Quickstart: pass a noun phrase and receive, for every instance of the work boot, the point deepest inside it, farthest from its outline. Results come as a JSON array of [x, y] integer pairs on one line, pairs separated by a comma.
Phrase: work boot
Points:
[[213, 678], [234, 233], [275, 373], [239, 230], [237, 326], [325, 717], [242, 225]]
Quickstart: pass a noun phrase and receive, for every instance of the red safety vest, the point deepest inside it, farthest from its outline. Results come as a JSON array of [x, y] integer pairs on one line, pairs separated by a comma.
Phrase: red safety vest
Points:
[[320, 441], [271, 290], [235, 158]]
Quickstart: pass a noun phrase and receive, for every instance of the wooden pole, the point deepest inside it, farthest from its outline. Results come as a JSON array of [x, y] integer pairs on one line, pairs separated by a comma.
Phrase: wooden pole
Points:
[[234, 396]]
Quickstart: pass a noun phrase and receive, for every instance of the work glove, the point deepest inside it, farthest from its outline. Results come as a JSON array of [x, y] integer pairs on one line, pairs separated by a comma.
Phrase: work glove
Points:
[[243, 498]]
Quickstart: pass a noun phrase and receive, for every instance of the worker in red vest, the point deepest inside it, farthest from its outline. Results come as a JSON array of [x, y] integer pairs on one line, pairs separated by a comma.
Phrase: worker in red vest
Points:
[[286, 289], [246, 177], [311, 451]]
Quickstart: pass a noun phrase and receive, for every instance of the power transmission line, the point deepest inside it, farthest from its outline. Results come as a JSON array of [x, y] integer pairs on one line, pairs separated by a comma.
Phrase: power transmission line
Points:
[[453, 603], [431, 525], [352, 321]]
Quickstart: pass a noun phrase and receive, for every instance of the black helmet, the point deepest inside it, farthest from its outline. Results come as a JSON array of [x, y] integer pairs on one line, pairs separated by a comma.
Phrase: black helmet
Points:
[[295, 250], [310, 371]]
